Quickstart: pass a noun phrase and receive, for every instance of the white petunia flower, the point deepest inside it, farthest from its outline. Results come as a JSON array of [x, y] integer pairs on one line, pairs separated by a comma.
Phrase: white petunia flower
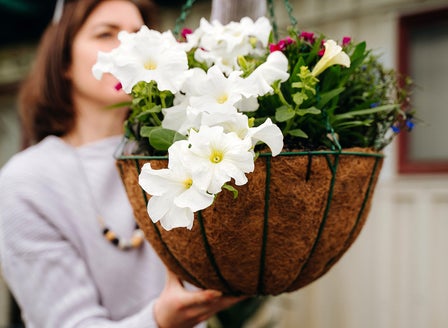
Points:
[[268, 132], [164, 61], [181, 117], [333, 55], [227, 121], [217, 93], [217, 157], [210, 98], [221, 45], [174, 194], [247, 104], [275, 68]]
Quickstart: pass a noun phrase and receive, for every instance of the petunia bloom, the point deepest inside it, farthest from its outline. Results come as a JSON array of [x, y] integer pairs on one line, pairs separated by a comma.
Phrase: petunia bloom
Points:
[[221, 45], [174, 194], [164, 62], [275, 68], [217, 157], [333, 55]]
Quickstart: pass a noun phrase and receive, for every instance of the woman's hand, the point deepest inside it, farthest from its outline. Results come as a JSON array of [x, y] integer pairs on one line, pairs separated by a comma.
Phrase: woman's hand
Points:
[[177, 307]]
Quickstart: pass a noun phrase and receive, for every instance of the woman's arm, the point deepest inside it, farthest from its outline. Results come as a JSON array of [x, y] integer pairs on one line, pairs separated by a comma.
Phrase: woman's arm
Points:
[[48, 274]]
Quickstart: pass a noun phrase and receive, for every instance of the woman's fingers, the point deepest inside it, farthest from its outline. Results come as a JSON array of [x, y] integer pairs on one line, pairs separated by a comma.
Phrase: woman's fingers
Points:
[[179, 307], [172, 280]]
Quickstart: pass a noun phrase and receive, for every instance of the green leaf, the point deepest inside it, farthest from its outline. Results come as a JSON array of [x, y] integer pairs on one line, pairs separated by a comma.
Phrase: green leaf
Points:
[[359, 53], [298, 133], [384, 108], [143, 116], [325, 97], [160, 138], [299, 98], [148, 112], [120, 105], [231, 189], [311, 110], [128, 132], [146, 131], [284, 113], [351, 124]]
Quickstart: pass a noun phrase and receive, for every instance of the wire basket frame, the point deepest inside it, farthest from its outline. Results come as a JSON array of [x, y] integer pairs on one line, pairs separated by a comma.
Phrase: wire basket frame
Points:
[[294, 219]]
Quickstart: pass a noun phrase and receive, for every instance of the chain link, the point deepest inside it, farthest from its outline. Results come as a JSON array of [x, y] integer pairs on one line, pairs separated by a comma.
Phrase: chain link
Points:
[[180, 21], [271, 10], [289, 10]]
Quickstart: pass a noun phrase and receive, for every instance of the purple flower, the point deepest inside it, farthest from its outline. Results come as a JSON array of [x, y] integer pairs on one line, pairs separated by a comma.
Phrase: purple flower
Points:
[[409, 124], [395, 128]]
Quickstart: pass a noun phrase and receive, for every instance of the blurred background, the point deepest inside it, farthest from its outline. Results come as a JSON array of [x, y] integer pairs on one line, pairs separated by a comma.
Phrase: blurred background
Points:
[[395, 275]]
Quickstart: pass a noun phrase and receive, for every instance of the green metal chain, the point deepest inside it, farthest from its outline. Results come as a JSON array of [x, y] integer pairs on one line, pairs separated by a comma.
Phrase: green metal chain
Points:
[[271, 11], [289, 10], [180, 21]]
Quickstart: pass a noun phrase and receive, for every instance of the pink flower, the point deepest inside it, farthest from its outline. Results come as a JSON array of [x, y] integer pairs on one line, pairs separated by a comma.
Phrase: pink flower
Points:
[[274, 47], [285, 42], [346, 40], [185, 32], [281, 45], [307, 36], [321, 51]]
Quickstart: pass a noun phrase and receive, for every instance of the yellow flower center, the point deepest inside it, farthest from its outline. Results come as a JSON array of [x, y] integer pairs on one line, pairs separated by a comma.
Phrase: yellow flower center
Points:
[[150, 65], [216, 156], [187, 183], [222, 99], [253, 41]]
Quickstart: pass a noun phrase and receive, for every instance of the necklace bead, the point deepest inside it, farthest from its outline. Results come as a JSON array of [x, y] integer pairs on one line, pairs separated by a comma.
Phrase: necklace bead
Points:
[[135, 241]]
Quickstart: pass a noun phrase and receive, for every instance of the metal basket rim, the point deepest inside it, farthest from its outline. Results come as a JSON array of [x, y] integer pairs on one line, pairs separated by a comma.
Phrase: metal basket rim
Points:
[[268, 154]]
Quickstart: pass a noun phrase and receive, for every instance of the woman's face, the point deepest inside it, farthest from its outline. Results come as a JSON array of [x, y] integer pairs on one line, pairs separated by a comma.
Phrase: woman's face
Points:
[[99, 33]]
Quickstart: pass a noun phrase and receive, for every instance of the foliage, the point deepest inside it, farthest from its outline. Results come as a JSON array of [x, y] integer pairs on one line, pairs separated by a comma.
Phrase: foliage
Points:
[[364, 105], [214, 99]]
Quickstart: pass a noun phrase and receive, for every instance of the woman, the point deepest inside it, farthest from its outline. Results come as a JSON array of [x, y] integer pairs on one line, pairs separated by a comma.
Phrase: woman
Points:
[[62, 204]]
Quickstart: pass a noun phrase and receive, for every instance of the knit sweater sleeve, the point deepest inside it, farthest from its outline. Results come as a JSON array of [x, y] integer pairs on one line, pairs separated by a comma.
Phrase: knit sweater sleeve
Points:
[[45, 272]]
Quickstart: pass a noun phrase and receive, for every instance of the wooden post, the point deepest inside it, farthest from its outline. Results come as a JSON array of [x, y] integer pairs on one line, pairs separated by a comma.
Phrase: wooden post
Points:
[[226, 11]]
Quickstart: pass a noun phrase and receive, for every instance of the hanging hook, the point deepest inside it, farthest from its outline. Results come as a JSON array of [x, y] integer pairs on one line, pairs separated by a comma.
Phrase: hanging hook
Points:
[[289, 10], [180, 21]]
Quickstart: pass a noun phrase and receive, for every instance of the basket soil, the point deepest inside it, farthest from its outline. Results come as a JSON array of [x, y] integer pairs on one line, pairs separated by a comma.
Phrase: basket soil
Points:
[[291, 222]]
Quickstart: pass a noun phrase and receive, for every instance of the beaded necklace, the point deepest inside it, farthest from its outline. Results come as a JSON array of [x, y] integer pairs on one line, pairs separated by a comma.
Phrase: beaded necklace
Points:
[[137, 238], [135, 241]]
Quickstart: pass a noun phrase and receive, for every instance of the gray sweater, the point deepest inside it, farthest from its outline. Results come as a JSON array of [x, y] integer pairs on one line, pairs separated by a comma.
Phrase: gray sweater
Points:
[[54, 257]]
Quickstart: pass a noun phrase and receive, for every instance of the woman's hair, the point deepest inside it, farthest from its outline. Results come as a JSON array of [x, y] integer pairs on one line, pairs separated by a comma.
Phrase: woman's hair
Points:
[[45, 101]]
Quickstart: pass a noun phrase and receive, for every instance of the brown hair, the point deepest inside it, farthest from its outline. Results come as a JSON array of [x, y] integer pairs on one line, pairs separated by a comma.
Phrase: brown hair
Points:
[[45, 104]]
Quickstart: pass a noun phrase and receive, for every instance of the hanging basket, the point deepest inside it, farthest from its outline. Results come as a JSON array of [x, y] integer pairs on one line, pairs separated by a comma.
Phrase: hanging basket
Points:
[[292, 221]]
